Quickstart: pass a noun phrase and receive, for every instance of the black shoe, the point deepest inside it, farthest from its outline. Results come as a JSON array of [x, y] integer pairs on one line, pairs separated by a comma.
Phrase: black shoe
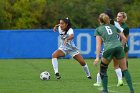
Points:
[[57, 76], [132, 92], [89, 77]]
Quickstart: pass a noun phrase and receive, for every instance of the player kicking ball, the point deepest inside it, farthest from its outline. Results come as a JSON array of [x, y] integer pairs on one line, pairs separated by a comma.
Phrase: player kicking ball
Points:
[[67, 47]]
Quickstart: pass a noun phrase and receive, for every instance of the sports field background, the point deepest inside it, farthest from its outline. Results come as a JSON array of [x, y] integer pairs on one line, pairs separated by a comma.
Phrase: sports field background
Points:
[[22, 76]]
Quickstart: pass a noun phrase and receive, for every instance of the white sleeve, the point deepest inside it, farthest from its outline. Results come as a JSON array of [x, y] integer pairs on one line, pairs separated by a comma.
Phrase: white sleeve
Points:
[[59, 29], [117, 25], [70, 31]]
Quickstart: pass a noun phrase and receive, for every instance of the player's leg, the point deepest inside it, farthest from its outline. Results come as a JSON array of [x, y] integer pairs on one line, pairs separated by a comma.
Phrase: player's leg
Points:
[[106, 59], [126, 55], [126, 74], [103, 73], [80, 59], [120, 55], [98, 80], [55, 55], [126, 49], [118, 72]]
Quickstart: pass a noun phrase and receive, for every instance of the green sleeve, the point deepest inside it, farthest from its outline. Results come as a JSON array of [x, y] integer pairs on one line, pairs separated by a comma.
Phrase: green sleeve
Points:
[[126, 31], [118, 31], [96, 33]]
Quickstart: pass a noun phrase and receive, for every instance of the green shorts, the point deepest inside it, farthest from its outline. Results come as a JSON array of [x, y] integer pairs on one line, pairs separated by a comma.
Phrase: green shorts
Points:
[[117, 52]]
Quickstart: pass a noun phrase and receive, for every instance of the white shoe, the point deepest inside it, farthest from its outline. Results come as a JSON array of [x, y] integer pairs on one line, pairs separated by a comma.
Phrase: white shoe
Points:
[[120, 83], [97, 84]]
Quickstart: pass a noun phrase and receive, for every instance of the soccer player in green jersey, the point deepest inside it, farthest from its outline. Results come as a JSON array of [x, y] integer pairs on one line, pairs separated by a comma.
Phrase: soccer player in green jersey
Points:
[[116, 64], [121, 19], [107, 34]]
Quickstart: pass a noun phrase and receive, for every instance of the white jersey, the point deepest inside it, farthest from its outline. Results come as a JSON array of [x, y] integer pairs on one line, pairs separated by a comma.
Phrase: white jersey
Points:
[[118, 26], [70, 46]]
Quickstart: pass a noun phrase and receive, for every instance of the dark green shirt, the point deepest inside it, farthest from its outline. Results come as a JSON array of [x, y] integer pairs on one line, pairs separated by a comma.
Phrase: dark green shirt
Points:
[[126, 29], [109, 35]]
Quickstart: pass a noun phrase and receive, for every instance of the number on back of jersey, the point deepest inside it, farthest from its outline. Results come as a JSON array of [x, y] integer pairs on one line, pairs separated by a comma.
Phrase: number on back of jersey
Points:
[[108, 29]]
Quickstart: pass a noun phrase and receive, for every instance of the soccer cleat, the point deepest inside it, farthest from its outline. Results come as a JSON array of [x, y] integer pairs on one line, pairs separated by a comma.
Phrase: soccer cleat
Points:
[[89, 77], [97, 84], [120, 83], [104, 91], [132, 91], [57, 76]]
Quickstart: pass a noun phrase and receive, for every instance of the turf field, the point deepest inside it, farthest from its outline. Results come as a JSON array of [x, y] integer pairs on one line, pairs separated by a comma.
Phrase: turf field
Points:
[[22, 76]]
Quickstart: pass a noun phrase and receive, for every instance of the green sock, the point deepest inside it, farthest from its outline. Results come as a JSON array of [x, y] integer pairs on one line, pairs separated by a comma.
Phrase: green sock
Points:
[[105, 83], [127, 67], [128, 79]]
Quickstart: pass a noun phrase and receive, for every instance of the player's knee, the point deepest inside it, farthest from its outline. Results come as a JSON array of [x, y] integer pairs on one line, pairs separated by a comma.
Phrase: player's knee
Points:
[[82, 63], [103, 70], [54, 55], [116, 65]]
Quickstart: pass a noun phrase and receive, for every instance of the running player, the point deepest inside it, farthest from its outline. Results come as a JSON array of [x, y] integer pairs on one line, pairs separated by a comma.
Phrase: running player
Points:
[[67, 46]]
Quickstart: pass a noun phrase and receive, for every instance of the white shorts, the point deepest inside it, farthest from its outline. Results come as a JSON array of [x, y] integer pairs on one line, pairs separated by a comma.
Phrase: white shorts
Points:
[[70, 52]]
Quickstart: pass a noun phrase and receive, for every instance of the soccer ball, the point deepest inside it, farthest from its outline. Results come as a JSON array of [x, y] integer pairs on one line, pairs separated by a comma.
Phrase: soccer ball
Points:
[[45, 75]]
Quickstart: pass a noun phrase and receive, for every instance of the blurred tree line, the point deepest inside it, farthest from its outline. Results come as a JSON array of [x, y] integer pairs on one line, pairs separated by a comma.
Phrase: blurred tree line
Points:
[[32, 14]]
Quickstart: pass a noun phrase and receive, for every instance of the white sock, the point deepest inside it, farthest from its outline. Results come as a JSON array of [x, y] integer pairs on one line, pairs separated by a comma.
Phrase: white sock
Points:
[[118, 73], [98, 78], [55, 64], [86, 70]]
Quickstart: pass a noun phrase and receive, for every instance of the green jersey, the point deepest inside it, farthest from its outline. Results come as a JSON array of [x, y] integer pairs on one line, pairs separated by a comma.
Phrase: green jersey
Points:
[[126, 29], [126, 33], [109, 35]]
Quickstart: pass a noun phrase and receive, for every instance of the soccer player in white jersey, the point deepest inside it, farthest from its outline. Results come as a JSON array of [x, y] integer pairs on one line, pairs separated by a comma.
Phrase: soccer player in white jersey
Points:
[[67, 46], [116, 64]]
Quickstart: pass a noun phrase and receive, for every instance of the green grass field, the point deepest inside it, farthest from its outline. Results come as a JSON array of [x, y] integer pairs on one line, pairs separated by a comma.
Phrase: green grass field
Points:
[[22, 76]]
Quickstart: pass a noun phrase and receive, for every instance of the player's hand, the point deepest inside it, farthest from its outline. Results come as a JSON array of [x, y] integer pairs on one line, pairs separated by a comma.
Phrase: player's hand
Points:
[[66, 41], [96, 61], [54, 29]]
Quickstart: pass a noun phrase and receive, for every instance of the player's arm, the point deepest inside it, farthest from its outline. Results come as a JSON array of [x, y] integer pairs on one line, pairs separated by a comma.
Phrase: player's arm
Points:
[[117, 25], [55, 27], [70, 37], [126, 33], [123, 38], [98, 49]]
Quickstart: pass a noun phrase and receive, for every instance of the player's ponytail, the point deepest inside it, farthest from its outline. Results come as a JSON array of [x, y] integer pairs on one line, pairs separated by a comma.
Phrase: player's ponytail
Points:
[[104, 18]]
